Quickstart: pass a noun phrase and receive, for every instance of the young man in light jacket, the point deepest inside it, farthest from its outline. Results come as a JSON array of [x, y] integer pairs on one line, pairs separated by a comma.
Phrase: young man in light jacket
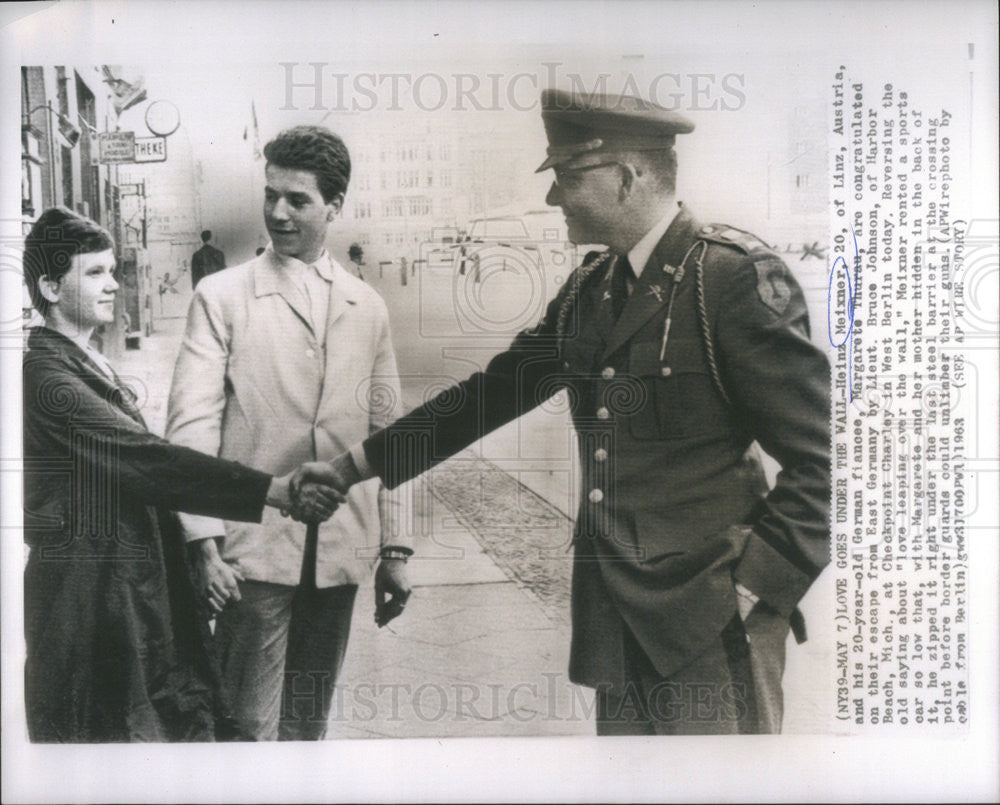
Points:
[[286, 359]]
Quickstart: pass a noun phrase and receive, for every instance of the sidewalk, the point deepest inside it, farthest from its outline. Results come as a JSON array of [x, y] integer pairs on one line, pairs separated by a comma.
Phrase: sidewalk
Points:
[[482, 648], [476, 653]]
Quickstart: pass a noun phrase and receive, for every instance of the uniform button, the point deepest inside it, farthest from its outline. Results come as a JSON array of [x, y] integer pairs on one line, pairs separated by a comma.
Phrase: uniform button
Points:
[[665, 371], [608, 372], [596, 496], [603, 413], [310, 353], [600, 454]]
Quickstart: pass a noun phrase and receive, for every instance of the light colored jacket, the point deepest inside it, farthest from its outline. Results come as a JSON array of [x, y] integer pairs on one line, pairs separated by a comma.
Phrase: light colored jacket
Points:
[[254, 384]]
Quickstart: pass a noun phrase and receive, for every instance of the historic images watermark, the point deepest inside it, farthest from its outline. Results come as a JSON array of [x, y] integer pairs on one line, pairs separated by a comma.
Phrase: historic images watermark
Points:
[[320, 86], [547, 698]]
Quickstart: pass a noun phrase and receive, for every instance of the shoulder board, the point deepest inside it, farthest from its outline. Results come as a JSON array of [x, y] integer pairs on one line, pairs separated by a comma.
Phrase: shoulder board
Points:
[[731, 236]]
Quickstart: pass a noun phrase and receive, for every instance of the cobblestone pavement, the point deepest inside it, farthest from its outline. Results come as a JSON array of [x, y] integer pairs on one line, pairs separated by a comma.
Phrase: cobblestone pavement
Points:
[[526, 537]]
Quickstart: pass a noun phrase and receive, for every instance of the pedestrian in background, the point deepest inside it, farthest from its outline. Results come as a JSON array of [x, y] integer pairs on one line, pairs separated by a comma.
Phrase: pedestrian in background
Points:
[[207, 260]]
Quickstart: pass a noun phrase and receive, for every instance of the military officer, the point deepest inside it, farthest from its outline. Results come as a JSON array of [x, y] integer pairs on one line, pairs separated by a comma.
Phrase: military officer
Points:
[[682, 345]]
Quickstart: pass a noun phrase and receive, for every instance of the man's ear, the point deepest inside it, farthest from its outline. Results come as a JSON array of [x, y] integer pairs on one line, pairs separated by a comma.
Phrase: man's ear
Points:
[[335, 204], [629, 173], [49, 289]]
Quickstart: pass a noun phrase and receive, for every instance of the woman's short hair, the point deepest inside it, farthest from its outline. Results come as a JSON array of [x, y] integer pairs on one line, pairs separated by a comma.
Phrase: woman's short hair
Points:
[[55, 239], [315, 149]]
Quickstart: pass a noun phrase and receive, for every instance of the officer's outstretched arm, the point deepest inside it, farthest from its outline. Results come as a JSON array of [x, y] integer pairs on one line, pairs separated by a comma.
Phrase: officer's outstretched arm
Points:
[[513, 383]]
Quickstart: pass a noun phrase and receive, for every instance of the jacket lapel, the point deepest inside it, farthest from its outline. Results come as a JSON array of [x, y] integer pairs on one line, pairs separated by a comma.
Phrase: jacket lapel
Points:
[[601, 299], [270, 277], [114, 391], [652, 290], [341, 293], [126, 399]]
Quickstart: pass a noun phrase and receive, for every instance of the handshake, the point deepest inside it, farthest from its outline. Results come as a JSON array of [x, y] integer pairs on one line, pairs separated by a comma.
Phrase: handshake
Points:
[[312, 493]]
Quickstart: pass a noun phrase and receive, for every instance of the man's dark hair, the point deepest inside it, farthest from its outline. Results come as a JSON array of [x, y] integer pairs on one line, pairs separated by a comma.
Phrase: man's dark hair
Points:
[[55, 239], [206, 235], [315, 149]]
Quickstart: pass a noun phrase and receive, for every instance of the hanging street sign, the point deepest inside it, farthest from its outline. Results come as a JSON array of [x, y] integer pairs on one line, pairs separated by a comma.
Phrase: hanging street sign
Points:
[[116, 147], [123, 147], [150, 149]]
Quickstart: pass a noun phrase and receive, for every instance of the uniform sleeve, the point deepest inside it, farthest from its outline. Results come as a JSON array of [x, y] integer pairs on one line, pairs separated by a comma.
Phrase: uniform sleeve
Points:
[[66, 418], [197, 394], [780, 385], [514, 382]]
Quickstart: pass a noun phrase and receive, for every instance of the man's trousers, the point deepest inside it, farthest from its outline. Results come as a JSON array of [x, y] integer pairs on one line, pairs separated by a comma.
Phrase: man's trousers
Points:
[[281, 649], [734, 687]]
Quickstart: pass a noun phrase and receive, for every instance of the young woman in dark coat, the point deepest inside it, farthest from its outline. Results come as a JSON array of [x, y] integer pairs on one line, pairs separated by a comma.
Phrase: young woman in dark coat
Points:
[[115, 635]]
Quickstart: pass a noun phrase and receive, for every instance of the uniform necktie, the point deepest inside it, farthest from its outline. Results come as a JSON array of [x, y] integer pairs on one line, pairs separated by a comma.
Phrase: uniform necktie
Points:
[[620, 279]]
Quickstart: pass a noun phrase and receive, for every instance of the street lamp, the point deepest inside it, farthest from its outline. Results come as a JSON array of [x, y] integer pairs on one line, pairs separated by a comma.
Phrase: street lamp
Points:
[[67, 130]]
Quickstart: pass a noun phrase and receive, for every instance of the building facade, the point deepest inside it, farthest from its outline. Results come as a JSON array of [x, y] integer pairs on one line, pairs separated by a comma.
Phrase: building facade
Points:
[[425, 181], [63, 110]]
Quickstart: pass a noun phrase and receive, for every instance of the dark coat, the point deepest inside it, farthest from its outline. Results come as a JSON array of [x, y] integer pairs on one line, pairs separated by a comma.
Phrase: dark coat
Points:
[[115, 644], [672, 509], [207, 260]]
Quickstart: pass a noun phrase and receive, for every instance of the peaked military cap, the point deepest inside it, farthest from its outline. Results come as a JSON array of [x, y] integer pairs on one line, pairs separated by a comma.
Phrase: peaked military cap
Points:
[[591, 124]]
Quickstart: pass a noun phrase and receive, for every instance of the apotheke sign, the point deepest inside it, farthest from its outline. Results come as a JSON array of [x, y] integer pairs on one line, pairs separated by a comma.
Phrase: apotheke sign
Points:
[[150, 149]]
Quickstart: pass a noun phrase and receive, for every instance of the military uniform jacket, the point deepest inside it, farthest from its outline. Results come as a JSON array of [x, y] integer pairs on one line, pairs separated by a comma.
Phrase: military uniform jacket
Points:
[[672, 512]]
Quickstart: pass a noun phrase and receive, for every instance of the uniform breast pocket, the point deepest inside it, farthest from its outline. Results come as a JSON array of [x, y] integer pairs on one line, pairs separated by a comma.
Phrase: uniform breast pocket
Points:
[[580, 352], [680, 400]]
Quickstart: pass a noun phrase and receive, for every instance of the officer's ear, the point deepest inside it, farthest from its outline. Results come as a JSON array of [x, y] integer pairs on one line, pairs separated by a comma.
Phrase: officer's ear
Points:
[[630, 173]]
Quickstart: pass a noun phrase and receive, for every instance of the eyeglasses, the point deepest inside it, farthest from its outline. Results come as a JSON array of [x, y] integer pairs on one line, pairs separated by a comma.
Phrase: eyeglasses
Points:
[[561, 176]]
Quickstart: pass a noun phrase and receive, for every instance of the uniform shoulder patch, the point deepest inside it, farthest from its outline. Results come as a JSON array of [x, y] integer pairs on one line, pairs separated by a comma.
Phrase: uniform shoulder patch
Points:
[[731, 236], [772, 284]]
